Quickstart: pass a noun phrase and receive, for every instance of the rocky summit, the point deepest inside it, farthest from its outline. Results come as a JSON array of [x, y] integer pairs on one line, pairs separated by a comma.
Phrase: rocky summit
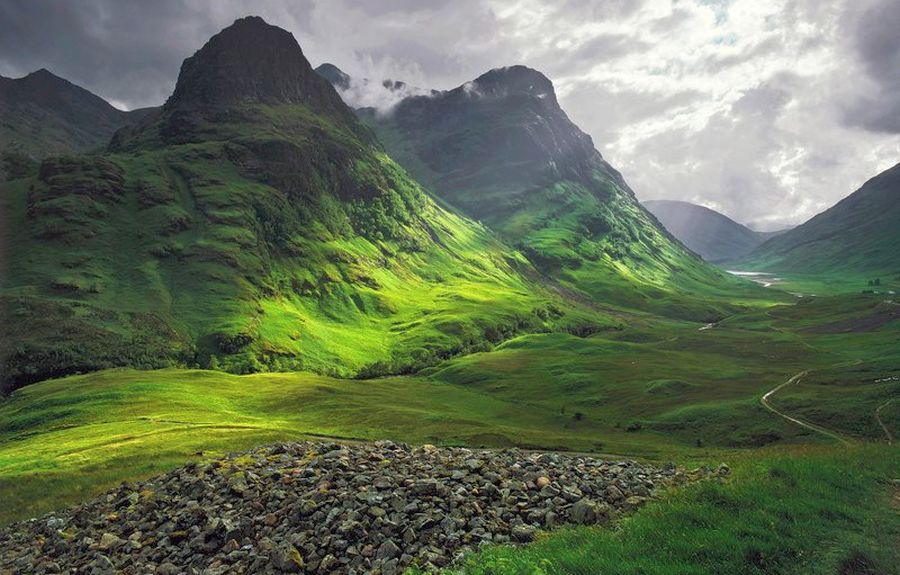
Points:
[[252, 62], [329, 508]]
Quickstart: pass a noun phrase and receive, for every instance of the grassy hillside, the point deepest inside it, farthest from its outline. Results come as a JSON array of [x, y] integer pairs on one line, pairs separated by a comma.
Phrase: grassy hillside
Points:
[[500, 149], [657, 390], [714, 236], [252, 224], [856, 238]]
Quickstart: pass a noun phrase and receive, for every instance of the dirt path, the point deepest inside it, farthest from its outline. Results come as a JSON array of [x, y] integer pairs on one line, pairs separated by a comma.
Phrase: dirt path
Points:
[[887, 432], [764, 400]]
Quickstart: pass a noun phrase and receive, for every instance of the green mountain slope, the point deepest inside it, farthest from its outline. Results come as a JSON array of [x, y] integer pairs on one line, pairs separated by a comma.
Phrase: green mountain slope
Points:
[[859, 236], [500, 149], [43, 115], [252, 223], [714, 236]]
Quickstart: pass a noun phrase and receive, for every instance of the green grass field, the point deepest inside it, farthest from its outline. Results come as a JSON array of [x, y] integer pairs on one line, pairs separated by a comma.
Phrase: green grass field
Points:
[[658, 389]]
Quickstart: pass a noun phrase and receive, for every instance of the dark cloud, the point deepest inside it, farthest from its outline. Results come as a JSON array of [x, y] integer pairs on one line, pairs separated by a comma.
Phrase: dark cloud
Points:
[[594, 51], [592, 10], [878, 45]]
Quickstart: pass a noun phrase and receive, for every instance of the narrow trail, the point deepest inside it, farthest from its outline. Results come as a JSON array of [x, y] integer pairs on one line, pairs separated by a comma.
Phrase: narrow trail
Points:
[[887, 432], [764, 400]]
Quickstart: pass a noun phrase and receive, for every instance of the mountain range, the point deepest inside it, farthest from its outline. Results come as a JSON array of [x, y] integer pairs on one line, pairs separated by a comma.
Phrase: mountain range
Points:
[[714, 236], [255, 222], [252, 223]]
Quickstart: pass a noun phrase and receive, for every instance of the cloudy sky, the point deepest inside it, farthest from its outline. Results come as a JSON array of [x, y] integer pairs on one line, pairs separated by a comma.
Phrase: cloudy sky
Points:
[[768, 110]]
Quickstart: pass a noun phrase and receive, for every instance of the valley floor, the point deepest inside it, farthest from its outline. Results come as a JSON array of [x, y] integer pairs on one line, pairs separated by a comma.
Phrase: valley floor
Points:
[[658, 390]]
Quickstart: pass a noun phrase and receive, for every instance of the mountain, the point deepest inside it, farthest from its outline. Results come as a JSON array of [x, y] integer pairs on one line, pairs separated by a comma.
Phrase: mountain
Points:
[[714, 236], [252, 223], [501, 150], [860, 235], [335, 76], [43, 115]]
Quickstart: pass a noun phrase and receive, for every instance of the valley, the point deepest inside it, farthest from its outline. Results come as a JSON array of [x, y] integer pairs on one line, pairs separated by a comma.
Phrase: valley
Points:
[[657, 389], [256, 330]]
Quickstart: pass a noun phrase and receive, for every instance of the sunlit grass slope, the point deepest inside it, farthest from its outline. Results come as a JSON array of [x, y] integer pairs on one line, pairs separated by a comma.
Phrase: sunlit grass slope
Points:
[[262, 235], [500, 149]]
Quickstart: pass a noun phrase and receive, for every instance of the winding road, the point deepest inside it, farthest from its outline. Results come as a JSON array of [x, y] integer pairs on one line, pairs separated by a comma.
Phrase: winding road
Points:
[[887, 432], [764, 400]]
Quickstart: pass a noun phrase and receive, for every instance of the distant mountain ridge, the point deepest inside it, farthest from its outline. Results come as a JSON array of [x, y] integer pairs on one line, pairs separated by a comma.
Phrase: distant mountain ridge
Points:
[[42, 114], [714, 236], [859, 235]]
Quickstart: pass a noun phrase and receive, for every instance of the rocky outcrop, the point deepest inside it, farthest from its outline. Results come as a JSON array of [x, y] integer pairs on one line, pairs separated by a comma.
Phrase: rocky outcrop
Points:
[[252, 62], [329, 508]]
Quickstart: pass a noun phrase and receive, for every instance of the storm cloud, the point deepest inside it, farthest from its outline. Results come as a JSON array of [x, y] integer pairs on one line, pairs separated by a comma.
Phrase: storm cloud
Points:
[[768, 110]]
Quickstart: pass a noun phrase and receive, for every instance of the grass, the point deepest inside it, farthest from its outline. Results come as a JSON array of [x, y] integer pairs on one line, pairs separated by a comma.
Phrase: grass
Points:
[[64, 440], [799, 511], [578, 223], [161, 254], [656, 389]]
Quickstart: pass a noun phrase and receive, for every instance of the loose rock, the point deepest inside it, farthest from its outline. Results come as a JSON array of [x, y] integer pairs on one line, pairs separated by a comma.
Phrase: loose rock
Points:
[[317, 507]]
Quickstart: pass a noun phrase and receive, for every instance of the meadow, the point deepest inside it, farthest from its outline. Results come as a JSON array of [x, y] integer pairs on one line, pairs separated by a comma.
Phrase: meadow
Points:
[[655, 389]]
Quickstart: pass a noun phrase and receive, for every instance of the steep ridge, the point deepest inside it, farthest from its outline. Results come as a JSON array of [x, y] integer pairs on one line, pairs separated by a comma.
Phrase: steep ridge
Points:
[[44, 115], [252, 223], [860, 235], [714, 236], [500, 149]]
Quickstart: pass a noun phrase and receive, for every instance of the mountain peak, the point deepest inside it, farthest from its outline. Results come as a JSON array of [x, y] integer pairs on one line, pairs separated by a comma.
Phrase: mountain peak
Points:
[[511, 80], [251, 62], [337, 77], [43, 76], [42, 73]]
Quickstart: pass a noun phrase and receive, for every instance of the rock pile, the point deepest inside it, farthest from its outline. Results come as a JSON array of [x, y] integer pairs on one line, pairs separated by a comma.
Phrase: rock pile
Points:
[[328, 508]]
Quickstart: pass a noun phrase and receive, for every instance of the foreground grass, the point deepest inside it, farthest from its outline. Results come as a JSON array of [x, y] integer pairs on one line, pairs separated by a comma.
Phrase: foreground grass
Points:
[[66, 440], [799, 511]]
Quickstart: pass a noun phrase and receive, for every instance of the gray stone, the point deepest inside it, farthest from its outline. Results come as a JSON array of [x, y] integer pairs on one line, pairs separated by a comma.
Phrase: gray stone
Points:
[[583, 512], [286, 558], [522, 533], [387, 550], [358, 509]]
